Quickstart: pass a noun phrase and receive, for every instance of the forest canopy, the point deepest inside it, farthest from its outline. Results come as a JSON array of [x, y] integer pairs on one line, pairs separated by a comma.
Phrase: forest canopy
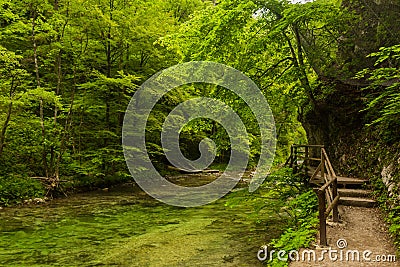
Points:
[[68, 69]]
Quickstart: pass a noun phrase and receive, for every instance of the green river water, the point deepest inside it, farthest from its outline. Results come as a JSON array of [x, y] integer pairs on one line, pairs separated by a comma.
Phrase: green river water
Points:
[[125, 227]]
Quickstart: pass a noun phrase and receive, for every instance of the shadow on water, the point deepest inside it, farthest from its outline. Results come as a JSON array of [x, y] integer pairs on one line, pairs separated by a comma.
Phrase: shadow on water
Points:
[[125, 227]]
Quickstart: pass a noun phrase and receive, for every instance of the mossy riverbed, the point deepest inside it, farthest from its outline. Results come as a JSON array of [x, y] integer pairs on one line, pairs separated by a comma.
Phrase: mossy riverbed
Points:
[[125, 227]]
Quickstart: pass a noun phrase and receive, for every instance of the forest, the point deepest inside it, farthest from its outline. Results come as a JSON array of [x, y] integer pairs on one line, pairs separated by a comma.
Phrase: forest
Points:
[[70, 68], [329, 69]]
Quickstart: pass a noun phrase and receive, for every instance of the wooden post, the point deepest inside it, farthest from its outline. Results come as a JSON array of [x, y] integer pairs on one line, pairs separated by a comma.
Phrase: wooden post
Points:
[[322, 166], [322, 219], [335, 207], [306, 160]]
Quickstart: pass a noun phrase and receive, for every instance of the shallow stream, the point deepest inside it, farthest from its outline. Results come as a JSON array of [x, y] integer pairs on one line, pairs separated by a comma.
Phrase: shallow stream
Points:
[[125, 227]]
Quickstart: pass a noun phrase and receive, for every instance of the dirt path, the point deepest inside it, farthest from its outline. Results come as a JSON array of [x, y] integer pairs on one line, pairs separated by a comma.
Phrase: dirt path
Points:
[[361, 229]]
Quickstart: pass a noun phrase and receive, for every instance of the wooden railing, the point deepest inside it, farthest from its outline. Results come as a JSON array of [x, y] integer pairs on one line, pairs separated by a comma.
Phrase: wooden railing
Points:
[[303, 157], [328, 197]]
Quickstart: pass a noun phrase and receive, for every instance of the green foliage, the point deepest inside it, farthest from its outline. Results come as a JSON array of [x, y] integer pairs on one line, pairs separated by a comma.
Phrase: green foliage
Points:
[[15, 189], [68, 70], [394, 220], [302, 229], [283, 47], [273, 194], [284, 195], [383, 94], [391, 205]]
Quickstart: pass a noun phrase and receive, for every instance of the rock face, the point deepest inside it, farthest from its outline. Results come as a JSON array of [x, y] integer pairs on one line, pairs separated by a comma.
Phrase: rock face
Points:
[[337, 119], [378, 26]]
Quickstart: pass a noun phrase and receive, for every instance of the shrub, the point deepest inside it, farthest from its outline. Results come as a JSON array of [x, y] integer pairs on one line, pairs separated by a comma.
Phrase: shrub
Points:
[[15, 189]]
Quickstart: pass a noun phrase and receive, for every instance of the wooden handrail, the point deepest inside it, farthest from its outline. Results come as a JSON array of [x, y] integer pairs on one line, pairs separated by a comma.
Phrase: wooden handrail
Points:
[[316, 172], [302, 153], [329, 162], [328, 196], [329, 189], [308, 146], [308, 158], [330, 207], [325, 186]]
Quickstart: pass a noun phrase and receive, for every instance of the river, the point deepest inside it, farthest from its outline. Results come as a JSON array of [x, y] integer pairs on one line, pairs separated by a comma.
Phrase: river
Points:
[[125, 227]]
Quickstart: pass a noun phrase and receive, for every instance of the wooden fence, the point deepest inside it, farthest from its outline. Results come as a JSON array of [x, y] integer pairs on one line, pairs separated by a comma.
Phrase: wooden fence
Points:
[[301, 158]]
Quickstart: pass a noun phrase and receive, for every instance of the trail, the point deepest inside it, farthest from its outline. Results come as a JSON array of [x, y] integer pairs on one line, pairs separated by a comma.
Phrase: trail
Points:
[[363, 229]]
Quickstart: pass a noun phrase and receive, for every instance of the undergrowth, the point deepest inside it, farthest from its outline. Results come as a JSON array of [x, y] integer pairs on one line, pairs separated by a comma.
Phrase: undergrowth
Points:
[[390, 204], [284, 195], [13, 190], [301, 231]]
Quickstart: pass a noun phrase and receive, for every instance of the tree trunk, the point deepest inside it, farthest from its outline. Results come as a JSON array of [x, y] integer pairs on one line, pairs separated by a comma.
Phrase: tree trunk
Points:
[[4, 129], [109, 64], [41, 114]]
